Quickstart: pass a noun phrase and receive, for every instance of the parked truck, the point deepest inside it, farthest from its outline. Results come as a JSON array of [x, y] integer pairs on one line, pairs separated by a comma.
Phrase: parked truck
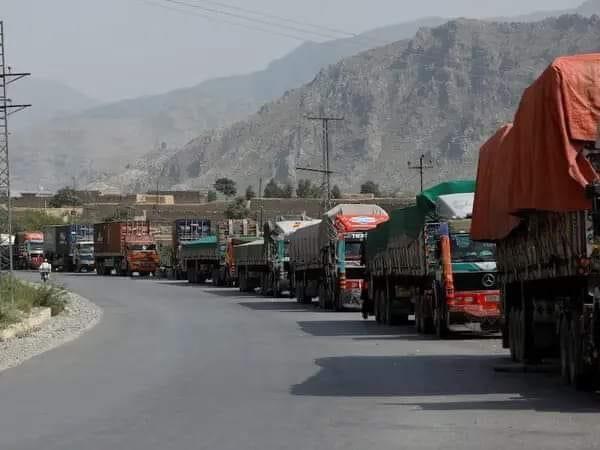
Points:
[[187, 230], [251, 263], [424, 261], [276, 275], [29, 250], [538, 199], [327, 259], [125, 248], [70, 247], [211, 257]]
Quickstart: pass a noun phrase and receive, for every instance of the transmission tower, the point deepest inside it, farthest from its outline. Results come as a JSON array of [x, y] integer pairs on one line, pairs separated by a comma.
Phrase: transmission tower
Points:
[[7, 108]]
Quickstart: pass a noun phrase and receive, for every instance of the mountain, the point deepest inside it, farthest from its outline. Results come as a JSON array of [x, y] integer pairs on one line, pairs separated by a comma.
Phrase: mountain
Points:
[[111, 138], [440, 94], [49, 98], [108, 137]]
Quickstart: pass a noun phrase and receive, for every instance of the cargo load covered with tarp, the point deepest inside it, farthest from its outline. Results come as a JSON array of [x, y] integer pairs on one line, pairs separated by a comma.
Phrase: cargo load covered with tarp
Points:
[[537, 163], [397, 244], [205, 248], [250, 254], [305, 251]]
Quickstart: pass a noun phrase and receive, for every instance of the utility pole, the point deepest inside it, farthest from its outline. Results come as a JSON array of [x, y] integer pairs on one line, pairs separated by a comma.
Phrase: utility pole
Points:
[[325, 146], [421, 167], [7, 108]]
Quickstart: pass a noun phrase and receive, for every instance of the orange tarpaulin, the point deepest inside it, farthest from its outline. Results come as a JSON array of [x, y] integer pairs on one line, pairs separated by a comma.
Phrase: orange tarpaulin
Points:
[[536, 163]]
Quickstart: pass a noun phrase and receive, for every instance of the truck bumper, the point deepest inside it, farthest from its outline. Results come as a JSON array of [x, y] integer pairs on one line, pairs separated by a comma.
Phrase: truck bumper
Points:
[[352, 301], [474, 319]]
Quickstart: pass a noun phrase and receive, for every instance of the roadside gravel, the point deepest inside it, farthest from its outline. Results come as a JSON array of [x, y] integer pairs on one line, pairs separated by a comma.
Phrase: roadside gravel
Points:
[[79, 316]]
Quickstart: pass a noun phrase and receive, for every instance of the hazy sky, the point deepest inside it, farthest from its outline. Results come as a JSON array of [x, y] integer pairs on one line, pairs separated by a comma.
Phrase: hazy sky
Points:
[[112, 49]]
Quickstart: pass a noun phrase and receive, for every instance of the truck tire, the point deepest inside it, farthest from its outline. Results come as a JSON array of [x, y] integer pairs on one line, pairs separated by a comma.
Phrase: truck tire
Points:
[[516, 334], [439, 314], [378, 307], [565, 356], [580, 373]]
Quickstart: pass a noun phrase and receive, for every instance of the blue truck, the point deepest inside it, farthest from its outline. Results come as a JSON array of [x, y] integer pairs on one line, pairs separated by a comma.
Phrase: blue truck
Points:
[[70, 248]]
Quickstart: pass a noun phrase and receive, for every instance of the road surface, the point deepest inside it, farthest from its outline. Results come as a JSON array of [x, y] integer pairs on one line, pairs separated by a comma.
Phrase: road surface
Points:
[[173, 366]]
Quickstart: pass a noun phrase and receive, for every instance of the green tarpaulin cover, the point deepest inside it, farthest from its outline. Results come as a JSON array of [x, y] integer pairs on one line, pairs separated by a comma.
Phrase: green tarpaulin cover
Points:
[[410, 221]]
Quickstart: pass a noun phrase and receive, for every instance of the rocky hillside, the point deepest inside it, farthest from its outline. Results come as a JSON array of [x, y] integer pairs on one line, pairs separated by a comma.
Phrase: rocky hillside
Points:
[[442, 94], [107, 138]]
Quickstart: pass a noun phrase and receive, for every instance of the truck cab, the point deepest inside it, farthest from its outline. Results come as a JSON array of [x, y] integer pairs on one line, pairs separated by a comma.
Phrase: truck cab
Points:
[[141, 255], [83, 256], [351, 259], [466, 277]]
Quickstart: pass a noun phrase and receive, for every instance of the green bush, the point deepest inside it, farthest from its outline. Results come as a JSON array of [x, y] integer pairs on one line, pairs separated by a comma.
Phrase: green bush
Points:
[[27, 296]]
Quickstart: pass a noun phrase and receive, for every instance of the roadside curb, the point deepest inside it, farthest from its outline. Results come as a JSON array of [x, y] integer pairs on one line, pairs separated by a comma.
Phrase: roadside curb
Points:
[[79, 317], [35, 319]]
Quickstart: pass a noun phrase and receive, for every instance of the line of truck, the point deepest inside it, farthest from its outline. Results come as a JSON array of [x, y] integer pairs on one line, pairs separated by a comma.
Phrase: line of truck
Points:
[[517, 251]]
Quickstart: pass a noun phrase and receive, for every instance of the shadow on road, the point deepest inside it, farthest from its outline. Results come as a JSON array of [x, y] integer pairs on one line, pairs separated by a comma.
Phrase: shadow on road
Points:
[[442, 375], [279, 305], [229, 293], [327, 328]]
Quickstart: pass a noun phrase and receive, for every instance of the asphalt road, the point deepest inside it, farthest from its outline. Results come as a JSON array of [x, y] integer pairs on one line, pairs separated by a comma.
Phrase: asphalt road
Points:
[[173, 366]]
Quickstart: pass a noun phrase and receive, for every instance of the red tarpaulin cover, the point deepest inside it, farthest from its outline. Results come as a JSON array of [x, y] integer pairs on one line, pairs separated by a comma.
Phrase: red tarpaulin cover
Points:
[[535, 163]]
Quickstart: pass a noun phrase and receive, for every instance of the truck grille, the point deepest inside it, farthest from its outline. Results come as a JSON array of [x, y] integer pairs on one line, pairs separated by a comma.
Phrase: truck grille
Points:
[[475, 281]]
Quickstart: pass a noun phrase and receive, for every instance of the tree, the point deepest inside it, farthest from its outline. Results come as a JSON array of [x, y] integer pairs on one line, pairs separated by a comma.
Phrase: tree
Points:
[[211, 196], [65, 197], [250, 194], [237, 209], [336, 192], [32, 220], [287, 191], [370, 187], [307, 190], [272, 190], [226, 187]]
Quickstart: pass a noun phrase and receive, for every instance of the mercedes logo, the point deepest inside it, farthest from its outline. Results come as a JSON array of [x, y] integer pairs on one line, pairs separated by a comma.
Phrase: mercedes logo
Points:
[[488, 280]]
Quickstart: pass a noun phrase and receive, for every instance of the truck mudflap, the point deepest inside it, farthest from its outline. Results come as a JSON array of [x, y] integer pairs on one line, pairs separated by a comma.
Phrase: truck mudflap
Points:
[[475, 311], [351, 292]]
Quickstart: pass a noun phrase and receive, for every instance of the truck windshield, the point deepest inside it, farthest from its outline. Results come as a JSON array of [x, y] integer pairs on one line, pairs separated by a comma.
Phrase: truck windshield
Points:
[[142, 247], [36, 247], [86, 249], [466, 250], [354, 250]]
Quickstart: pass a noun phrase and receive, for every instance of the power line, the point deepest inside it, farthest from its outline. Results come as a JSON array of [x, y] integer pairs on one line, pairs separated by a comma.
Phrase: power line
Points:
[[220, 19], [251, 19], [276, 17], [275, 28]]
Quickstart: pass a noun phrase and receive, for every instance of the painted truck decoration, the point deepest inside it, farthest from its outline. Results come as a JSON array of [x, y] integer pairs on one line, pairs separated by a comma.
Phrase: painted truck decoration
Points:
[[125, 248], [186, 231], [424, 261], [28, 250], [327, 259]]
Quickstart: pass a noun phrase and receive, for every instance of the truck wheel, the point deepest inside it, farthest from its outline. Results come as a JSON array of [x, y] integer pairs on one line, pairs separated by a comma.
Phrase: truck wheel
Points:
[[516, 334], [580, 373], [378, 308], [277, 289], [439, 315], [565, 357]]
